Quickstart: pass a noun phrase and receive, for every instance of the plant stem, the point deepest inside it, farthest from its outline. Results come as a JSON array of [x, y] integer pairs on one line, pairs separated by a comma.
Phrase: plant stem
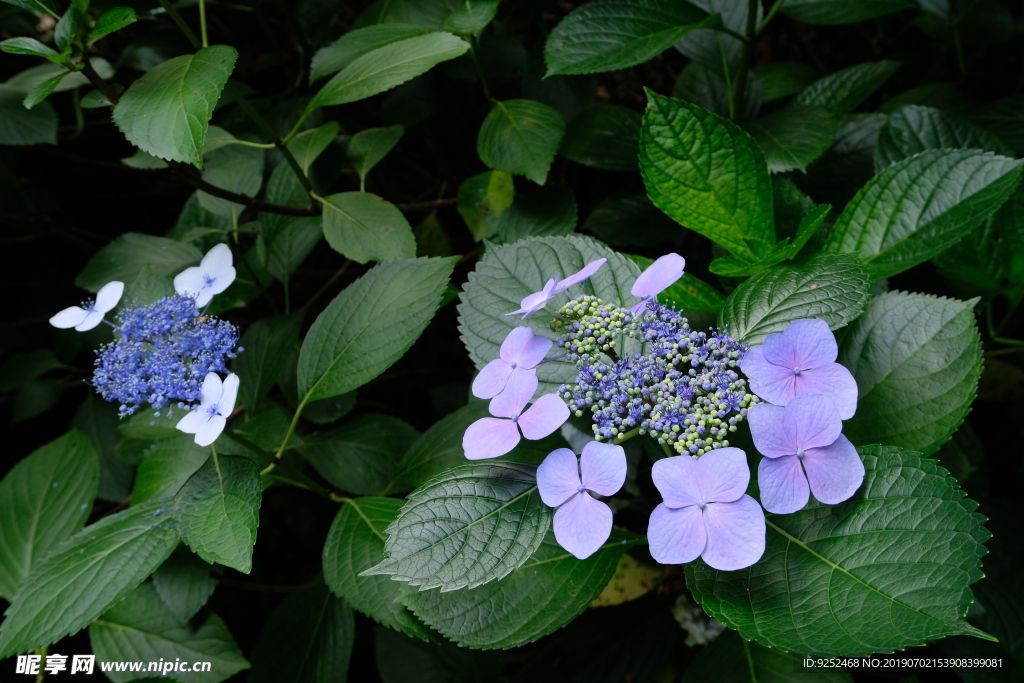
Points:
[[202, 22], [246, 143], [771, 13], [479, 68], [626, 436], [730, 98], [173, 13], [748, 50]]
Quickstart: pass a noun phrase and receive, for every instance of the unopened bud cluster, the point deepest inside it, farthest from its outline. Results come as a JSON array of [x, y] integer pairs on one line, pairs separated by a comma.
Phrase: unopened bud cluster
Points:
[[683, 390]]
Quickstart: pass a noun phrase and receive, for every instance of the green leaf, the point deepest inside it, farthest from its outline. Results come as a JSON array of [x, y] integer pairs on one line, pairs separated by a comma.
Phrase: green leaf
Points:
[[355, 543], [25, 367], [33, 76], [44, 499], [388, 66], [606, 35], [184, 583], [521, 137], [34, 398], [41, 6], [364, 227], [27, 46], [354, 44], [309, 144], [166, 466], [71, 29], [370, 325], [714, 48], [258, 437], [547, 592], [781, 79], [360, 457], [912, 129], [921, 206], [629, 219], [145, 160], [84, 575], [470, 18], [551, 211], [482, 199], [43, 90], [145, 424], [836, 12], [842, 91], [470, 525], [707, 174], [793, 137], [235, 168], [603, 136], [507, 274], [886, 570], [916, 393], [142, 627], [126, 257], [688, 293], [148, 287], [368, 147], [706, 87], [113, 19], [25, 126], [290, 247], [731, 659], [166, 112], [267, 345], [217, 511], [832, 288], [98, 420], [307, 639]]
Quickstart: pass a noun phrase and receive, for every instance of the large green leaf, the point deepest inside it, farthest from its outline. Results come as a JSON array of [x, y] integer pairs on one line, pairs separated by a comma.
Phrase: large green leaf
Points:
[[114, 19], [547, 592], [688, 293], [370, 325], [86, 574], [842, 91], [44, 499], [551, 211], [167, 111], [605, 35], [521, 137], [25, 126], [470, 18], [793, 137], [731, 659], [166, 466], [509, 273], [356, 543], [307, 639], [916, 359], [360, 456], [98, 420], [921, 206], [364, 227], [184, 583], [833, 288], [470, 525], [126, 257], [33, 76], [354, 44], [216, 512], [141, 627], [290, 247], [267, 345], [886, 570], [912, 129], [388, 66], [604, 136], [833, 12], [707, 174]]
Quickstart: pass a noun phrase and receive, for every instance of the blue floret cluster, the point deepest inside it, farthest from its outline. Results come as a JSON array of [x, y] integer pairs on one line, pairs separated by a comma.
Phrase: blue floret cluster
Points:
[[162, 353]]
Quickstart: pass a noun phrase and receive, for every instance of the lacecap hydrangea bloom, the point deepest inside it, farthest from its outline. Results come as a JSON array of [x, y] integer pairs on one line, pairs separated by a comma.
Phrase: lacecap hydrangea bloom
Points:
[[208, 419], [90, 314], [521, 352], [490, 437], [213, 275]]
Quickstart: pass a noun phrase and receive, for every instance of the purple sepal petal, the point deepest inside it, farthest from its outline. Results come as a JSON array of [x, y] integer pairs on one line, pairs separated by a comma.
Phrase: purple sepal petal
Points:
[[524, 348], [773, 383], [674, 478], [676, 536], [536, 301], [558, 477], [770, 439], [804, 344], [722, 475], [490, 437], [811, 422], [603, 468], [583, 525], [640, 307], [834, 472], [659, 275], [736, 534], [547, 414], [580, 275], [516, 395], [492, 379], [783, 484], [834, 381]]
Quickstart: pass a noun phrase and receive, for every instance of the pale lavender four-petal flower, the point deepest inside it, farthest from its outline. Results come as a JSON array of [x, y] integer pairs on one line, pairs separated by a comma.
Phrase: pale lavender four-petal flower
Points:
[[490, 437], [521, 352], [83, 319], [538, 300], [209, 418], [799, 361], [213, 275], [582, 524], [805, 453], [656, 278], [706, 512]]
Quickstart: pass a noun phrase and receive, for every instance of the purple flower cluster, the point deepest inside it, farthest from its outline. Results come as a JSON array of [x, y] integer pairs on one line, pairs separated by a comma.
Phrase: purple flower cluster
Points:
[[161, 354]]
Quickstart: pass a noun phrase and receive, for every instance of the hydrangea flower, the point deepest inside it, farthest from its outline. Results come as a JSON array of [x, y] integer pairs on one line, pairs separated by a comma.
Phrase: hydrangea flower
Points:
[[656, 278], [706, 512], [538, 300], [521, 352], [800, 361], [212, 276], [582, 524], [209, 418], [805, 452], [90, 314], [490, 437]]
